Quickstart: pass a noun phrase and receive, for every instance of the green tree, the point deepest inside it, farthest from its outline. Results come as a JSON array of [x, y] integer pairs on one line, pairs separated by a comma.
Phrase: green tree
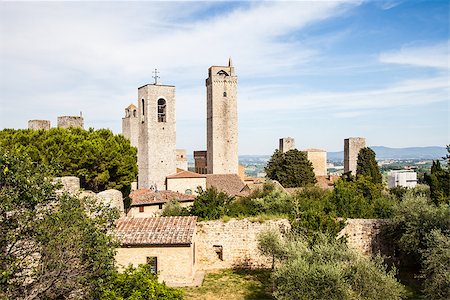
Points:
[[367, 165], [291, 169], [327, 269], [210, 204], [99, 158], [174, 208], [138, 284], [439, 182], [52, 245]]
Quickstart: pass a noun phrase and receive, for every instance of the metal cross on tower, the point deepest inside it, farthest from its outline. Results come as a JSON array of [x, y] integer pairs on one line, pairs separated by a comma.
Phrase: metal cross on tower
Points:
[[156, 76]]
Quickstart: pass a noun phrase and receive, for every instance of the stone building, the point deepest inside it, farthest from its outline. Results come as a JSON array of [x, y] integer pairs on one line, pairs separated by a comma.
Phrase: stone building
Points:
[[39, 124], [149, 203], [222, 120], [186, 182], [181, 161], [157, 135], [318, 158], [404, 178], [286, 144], [70, 121], [351, 150], [167, 244], [130, 125], [200, 161]]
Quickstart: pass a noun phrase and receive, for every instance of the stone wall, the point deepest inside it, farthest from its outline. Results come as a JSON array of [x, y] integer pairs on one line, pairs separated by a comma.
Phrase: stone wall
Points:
[[286, 144], [70, 121], [39, 124], [236, 240], [365, 236], [318, 158], [351, 149]]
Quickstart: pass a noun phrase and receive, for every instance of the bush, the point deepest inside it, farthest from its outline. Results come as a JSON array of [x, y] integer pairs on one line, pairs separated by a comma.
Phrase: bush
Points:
[[138, 284], [210, 204], [174, 208]]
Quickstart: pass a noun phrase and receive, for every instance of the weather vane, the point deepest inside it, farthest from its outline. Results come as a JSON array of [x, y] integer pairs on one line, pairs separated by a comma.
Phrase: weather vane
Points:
[[156, 76]]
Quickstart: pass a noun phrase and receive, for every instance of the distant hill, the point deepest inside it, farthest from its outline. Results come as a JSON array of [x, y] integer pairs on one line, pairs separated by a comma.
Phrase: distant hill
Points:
[[398, 153]]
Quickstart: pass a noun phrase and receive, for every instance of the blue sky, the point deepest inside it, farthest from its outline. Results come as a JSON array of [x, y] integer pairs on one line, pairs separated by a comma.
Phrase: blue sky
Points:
[[318, 71]]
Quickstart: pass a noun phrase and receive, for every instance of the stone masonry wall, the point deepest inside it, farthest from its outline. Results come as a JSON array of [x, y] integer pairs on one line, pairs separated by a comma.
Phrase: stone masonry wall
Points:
[[39, 124], [365, 236], [236, 239], [70, 121]]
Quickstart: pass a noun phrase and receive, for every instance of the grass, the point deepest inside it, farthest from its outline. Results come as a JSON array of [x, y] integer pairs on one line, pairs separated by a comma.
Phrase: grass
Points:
[[232, 285]]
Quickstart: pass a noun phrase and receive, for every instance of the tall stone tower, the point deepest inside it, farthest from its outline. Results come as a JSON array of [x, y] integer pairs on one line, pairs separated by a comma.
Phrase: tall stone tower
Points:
[[286, 144], [157, 135], [222, 120], [351, 149], [130, 125]]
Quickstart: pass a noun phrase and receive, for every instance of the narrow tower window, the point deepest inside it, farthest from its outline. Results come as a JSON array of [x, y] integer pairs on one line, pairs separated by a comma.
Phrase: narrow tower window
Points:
[[224, 94], [143, 107], [161, 110], [134, 113]]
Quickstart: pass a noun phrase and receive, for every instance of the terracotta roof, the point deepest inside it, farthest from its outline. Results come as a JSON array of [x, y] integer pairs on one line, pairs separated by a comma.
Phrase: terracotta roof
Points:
[[131, 106], [156, 231], [148, 197], [185, 174], [231, 184]]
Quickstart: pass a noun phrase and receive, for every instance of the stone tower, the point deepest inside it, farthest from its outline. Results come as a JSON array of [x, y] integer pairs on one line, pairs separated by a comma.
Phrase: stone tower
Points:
[[157, 135], [39, 124], [130, 125], [351, 149], [70, 121], [222, 120], [286, 144]]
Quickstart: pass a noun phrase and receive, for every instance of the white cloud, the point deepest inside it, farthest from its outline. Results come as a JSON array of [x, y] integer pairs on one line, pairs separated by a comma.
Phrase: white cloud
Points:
[[436, 56]]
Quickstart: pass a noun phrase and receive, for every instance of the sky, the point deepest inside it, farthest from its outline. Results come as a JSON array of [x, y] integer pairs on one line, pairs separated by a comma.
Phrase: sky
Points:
[[317, 71]]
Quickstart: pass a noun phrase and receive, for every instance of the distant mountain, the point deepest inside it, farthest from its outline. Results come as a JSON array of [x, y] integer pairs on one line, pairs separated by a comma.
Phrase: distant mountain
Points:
[[398, 153]]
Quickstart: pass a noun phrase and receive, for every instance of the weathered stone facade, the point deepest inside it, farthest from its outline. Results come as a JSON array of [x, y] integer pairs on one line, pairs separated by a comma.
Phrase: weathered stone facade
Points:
[[112, 197], [181, 159], [39, 124], [70, 121], [318, 158], [232, 244], [222, 120], [130, 125], [351, 149], [200, 160], [286, 144], [365, 235], [157, 135]]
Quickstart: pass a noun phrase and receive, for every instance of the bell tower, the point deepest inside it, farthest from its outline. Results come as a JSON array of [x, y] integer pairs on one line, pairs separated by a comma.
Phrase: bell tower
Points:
[[222, 120]]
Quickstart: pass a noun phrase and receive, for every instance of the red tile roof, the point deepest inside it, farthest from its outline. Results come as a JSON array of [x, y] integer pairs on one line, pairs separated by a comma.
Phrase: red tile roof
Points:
[[148, 197], [156, 230], [231, 184], [185, 174]]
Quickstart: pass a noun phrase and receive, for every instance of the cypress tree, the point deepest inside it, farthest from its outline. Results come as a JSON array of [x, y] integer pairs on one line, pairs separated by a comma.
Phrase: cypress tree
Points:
[[367, 165]]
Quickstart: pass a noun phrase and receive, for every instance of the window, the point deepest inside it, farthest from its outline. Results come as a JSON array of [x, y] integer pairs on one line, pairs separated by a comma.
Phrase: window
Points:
[[188, 192], [160, 206], [143, 107], [224, 94], [141, 208], [219, 251], [134, 113], [161, 110], [153, 262]]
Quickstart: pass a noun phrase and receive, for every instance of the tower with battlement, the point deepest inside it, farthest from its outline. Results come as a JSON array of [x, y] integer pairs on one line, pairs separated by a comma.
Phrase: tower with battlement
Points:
[[130, 125], [286, 144], [222, 120], [157, 135]]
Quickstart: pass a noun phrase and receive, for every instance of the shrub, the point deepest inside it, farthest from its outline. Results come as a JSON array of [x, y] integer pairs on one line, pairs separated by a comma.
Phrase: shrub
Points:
[[174, 208]]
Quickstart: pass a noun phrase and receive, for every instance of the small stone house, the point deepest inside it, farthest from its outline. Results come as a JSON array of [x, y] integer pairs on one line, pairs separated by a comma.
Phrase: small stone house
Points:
[[166, 243], [149, 203], [186, 182]]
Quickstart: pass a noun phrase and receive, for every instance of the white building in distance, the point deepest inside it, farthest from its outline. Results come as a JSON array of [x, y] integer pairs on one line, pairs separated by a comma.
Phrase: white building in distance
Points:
[[404, 178]]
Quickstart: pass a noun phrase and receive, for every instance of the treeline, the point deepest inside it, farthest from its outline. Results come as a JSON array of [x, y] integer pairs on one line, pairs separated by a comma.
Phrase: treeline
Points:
[[99, 158]]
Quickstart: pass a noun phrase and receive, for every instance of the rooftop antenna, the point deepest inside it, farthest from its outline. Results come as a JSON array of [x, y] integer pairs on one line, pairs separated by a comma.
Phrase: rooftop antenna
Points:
[[156, 76], [81, 113]]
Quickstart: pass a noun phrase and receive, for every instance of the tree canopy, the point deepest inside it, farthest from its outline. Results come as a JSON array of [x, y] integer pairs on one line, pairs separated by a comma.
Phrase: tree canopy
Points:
[[367, 165], [291, 169], [99, 158], [439, 180]]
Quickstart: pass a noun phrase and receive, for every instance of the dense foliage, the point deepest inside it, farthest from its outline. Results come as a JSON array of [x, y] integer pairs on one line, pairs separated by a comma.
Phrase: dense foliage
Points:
[[210, 204], [52, 245], [439, 182], [138, 284], [420, 231], [291, 169], [99, 158], [366, 165], [174, 208], [326, 269]]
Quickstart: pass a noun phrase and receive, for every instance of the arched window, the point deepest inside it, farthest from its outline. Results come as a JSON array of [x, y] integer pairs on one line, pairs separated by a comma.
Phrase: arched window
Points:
[[143, 107], [134, 113], [188, 192], [161, 110], [224, 94]]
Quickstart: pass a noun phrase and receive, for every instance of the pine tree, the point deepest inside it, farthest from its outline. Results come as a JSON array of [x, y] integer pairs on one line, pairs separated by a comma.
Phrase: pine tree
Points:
[[291, 169], [367, 165]]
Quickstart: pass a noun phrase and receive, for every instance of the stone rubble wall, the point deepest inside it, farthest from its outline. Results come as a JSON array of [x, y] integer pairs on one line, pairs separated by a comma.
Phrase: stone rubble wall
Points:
[[365, 235], [238, 239]]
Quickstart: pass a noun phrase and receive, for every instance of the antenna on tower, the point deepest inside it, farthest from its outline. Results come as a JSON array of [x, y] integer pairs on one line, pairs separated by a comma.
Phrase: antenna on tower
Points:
[[156, 76], [230, 62]]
